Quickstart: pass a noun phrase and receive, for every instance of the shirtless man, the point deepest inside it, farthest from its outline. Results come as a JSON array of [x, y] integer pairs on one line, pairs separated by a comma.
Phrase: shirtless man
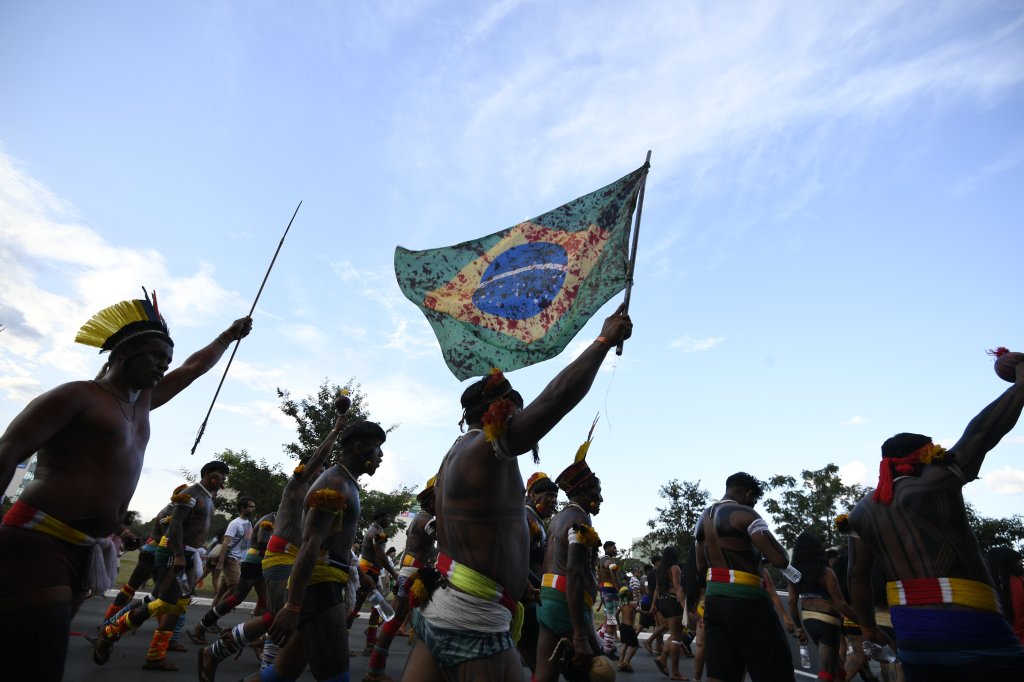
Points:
[[373, 559], [176, 570], [90, 440], [315, 611], [608, 584], [282, 546], [569, 585], [420, 551], [943, 607], [541, 500], [741, 629], [482, 534]]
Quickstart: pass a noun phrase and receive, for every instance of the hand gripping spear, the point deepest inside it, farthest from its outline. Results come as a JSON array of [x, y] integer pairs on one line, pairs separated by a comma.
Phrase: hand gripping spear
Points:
[[202, 427]]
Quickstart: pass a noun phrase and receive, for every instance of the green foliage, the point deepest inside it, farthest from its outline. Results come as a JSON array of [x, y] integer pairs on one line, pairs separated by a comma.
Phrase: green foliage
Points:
[[813, 505], [993, 532], [250, 478], [675, 522], [314, 417]]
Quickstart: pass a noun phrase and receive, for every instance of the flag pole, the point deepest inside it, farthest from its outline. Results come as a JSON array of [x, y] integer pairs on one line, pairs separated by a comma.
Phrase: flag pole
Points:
[[636, 236], [202, 427]]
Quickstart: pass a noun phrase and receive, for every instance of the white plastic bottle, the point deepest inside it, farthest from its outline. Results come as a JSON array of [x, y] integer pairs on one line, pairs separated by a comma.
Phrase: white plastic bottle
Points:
[[805, 656], [377, 601]]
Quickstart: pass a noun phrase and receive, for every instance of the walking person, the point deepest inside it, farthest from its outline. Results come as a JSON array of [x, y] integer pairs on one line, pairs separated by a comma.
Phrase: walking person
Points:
[[669, 599]]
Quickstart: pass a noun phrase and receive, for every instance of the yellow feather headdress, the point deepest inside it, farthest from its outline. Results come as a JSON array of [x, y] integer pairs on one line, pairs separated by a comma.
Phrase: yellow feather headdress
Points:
[[577, 473], [115, 324]]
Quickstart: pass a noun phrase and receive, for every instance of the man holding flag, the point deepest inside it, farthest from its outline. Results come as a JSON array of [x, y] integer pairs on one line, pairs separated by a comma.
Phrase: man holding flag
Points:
[[509, 300], [469, 628]]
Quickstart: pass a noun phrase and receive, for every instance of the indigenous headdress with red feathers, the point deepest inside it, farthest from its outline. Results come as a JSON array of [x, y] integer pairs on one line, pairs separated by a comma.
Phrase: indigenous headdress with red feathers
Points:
[[903, 466]]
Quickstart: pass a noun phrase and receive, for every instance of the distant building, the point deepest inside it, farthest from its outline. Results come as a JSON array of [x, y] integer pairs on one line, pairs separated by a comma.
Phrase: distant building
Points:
[[24, 473]]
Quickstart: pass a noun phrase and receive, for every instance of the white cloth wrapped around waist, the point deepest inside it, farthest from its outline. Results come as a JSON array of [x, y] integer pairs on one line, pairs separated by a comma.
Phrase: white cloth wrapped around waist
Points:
[[102, 570], [406, 571], [454, 610]]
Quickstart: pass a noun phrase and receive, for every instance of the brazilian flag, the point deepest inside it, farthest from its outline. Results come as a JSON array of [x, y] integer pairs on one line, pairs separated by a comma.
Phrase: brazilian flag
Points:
[[517, 297]]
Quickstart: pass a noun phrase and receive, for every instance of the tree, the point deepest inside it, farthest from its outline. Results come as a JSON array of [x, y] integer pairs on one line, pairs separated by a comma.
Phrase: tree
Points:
[[263, 482], [813, 505], [994, 532], [674, 523], [314, 417]]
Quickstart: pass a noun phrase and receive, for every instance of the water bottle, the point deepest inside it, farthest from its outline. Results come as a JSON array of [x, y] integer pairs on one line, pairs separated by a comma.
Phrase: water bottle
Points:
[[383, 608], [805, 656], [877, 652], [183, 586]]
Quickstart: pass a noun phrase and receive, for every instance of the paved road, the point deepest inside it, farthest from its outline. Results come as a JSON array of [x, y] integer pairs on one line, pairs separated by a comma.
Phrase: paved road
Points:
[[125, 663]]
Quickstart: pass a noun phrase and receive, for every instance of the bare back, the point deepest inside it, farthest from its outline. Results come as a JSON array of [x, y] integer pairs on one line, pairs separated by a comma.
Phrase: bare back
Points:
[[726, 543], [923, 533], [418, 543], [481, 521], [289, 512]]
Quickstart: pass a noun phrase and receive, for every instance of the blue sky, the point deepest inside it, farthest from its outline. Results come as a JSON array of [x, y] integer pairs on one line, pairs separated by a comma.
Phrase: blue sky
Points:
[[827, 245]]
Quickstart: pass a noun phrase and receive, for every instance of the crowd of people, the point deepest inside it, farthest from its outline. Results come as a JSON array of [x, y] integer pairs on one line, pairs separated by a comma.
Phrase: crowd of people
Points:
[[494, 575]]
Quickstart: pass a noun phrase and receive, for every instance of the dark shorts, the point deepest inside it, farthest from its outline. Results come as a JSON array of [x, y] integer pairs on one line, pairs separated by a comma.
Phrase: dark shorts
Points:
[[955, 644], [821, 632], [669, 607], [146, 559], [646, 620], [164, 588], [628, 635], [321, 597], [252, 570], [745, 633], [30, 560]]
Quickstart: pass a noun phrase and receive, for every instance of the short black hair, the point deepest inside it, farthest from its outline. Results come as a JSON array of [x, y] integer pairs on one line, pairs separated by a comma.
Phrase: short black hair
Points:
[[609, 543], [380, 512], [742, 479], [215, 465], [902, 444], [243, 501], [362, 430]]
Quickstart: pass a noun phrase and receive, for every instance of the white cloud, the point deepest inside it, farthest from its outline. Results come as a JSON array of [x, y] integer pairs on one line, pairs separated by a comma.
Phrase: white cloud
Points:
[[715, 86], [855, 420], [74, 273], [256, 377], [1005, 481], [259, 412], [858, 473], [688, 344]]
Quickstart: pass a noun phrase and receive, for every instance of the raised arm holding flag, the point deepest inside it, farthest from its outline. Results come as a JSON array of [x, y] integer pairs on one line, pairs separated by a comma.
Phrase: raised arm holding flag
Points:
[[517, 297]]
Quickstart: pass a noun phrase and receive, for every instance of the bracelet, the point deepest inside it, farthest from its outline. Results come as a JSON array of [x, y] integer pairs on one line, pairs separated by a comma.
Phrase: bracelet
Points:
[[604, 341], [223, 340], [291, 607]]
